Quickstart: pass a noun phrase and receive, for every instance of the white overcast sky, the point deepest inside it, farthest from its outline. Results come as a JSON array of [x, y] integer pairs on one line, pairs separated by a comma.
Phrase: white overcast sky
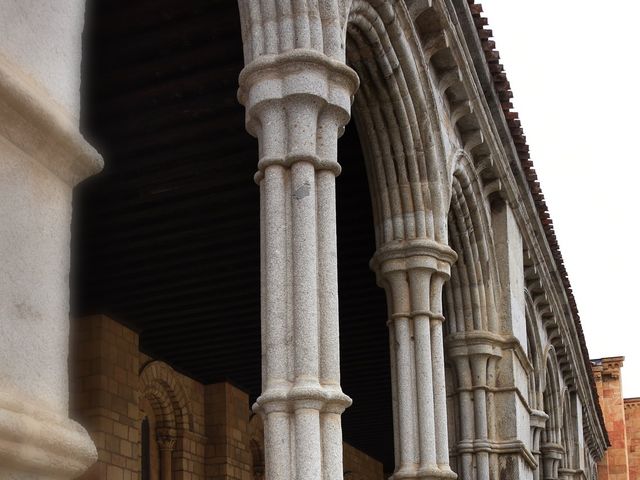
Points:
[[574, 68]]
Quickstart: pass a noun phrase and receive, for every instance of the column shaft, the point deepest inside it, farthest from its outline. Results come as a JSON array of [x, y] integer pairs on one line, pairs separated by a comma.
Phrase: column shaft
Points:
[[166, 444], [42, 157], [296, 104], [413, 275], [474, 354]]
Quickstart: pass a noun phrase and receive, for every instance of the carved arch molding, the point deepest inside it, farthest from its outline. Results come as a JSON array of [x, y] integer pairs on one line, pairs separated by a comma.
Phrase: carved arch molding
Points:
[[433, 176], [166, 424]]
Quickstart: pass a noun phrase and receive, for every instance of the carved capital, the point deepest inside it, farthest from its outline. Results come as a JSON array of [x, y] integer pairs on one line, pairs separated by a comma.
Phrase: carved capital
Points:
[[417, 254], [297, 104], [166, 439]]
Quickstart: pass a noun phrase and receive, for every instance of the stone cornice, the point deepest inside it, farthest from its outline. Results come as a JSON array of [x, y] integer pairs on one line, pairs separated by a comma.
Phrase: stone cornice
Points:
[[631, 403], [32, 121], [487, 106]]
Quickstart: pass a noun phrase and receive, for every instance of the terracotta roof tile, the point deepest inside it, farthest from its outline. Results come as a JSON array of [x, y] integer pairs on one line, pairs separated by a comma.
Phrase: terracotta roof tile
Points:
[[503, 89]]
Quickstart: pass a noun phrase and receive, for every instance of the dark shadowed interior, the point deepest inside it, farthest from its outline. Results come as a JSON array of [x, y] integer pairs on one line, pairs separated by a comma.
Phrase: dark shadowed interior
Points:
[[166, 238]]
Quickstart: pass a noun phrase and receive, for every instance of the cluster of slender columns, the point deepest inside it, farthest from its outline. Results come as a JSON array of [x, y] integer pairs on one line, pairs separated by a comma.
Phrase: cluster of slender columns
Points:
[[297, 103], [475, 355], [297, 91], [413, 274]]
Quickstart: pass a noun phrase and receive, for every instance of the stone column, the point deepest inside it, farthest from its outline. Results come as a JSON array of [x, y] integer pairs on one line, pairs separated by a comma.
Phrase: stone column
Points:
[[166, 445], [42, 156], [413, 274], [538, 420], [297, 92], [551, 456], [474, 355]]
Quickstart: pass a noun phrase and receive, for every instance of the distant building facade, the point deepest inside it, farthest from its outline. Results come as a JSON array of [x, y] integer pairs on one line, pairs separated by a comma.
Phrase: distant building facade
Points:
[[622, 417]]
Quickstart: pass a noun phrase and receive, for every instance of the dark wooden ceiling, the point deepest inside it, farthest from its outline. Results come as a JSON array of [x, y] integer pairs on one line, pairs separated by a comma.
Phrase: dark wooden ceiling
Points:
[[166, 238]]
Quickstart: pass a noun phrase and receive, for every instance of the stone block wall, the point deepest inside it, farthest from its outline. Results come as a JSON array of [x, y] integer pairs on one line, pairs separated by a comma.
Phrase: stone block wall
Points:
[[228, 455], [104, 395], [632, 419], [211, 430], [360, 466], [189, 451]]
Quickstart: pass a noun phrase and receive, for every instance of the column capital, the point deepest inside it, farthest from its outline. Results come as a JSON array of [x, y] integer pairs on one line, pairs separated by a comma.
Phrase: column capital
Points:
[[297, 104], [538, 419], [166, 439], [552, 450], [475, 343], [417, 254]]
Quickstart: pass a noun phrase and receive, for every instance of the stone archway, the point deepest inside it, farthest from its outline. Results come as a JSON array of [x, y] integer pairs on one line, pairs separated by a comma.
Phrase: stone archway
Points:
[[165, 408]]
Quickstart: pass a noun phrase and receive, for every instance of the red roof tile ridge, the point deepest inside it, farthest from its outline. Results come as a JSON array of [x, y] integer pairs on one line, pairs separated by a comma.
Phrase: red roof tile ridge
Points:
[[503, 89]]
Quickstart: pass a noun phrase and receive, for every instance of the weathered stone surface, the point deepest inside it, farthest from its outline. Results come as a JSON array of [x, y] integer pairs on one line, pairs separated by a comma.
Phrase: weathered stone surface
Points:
[[42, 156], [488, 359]]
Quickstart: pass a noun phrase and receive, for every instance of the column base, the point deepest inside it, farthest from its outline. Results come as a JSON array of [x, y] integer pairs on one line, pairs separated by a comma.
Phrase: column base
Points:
[[37, 443], [427, 473]]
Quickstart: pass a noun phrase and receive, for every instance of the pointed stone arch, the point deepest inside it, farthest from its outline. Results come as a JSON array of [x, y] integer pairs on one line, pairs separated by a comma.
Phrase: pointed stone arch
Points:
[[569, 433], [398, 122], [551, 447], [474, 341], [471, 295]]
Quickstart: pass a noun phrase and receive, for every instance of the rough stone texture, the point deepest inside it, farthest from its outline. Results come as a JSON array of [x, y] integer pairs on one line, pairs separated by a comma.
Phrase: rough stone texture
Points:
[[42, 156], [622, 416], [615, 464], [44, 39], [297, 92], [438, 157]]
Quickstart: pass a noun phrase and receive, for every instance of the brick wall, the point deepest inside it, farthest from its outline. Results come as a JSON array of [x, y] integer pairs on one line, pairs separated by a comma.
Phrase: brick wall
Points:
[[632, 419], [614, 465]]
